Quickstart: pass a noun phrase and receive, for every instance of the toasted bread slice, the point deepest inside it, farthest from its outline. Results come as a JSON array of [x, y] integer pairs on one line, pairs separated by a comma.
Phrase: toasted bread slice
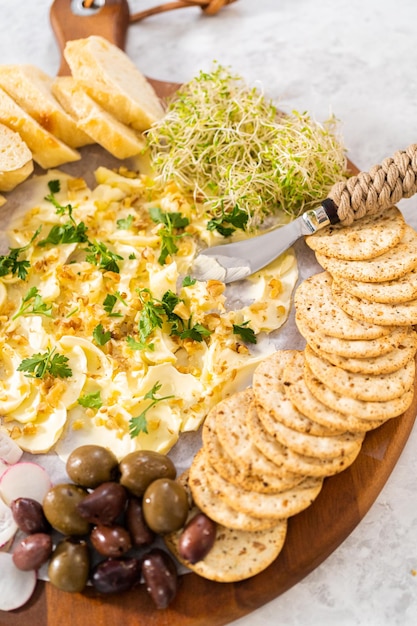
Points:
[[30, 88], [110, 78], [47, 150], [117, 138], [16, 162]]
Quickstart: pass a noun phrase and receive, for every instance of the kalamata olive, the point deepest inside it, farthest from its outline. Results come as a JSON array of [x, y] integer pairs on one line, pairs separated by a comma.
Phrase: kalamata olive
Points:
[[32, 551], [160, 576], [91, 465], [197, 538], [29, 516], [69, 565], [110, 540], [104, 504], [165, 505], [60, 508], [116, 575], [138, 469], [139, 531]]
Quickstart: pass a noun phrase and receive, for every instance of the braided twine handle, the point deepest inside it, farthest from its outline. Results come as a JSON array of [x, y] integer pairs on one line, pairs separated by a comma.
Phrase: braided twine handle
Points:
[[380, 188]]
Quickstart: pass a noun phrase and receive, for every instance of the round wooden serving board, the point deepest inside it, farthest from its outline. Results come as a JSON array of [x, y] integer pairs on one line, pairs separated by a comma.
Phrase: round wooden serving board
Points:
[[312, 535]]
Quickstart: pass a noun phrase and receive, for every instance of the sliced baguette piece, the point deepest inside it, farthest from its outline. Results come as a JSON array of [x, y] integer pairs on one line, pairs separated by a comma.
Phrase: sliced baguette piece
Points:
[[30, 88], [110, 78], [117, 138], [47, 150], [16, 162]]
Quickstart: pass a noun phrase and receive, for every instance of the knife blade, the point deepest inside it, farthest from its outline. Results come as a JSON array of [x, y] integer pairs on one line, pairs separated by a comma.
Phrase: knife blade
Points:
[[236, 261], [365, 193]]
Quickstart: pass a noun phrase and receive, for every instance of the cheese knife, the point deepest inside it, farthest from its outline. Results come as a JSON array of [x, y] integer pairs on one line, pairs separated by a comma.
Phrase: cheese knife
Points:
[[363, 194]]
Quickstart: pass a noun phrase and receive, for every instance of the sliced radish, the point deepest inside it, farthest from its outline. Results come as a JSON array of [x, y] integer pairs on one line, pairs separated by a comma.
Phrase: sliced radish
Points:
[[8, 526], [16, 586], [3, 467], [10, 452], [24, 480]]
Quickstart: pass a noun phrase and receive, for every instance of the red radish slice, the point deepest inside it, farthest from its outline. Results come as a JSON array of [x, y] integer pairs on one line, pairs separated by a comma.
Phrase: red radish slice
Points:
[[16, 586], [8, 526], [24, 480], [9, 450]]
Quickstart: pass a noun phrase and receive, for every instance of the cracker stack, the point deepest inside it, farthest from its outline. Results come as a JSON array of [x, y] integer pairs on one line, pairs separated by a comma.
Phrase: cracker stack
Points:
[[267, 450]]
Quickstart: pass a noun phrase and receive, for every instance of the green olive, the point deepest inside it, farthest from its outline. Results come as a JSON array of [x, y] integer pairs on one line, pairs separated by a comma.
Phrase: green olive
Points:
[[60, 509], [165, 505], [140, 468], [69, 565], [91, 465]]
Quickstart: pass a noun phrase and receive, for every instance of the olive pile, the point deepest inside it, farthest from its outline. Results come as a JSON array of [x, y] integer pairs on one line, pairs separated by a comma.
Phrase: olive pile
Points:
[[110, 509]]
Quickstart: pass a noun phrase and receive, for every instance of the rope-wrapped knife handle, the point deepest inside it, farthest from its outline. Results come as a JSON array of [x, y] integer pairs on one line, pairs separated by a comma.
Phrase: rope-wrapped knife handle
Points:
[[380, 188]]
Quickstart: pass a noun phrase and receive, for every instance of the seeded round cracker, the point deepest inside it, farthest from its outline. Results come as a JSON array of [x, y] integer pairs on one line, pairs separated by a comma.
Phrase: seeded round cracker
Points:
[[236, 554], [365, 238], [270, 399], [321, 447], [351, 348], [398, 314], [300, 395], [391, 265], [233, 556], [279, 505], [304, 465], [358, 408], [217, 509], [234, 436], [367, 387], [314, 302], [383, 364], [236, 472], [402, 289]]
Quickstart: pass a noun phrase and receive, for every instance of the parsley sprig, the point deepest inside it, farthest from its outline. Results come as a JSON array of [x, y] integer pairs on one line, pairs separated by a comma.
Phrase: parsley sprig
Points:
[[91, 400], [125, 223], [65, 233], [245, 332], [12, 264], [227, 223], [69, 232], [139, 423], [155, 313], [173, 222], [151, 317], [55, 187], [101, 336], [33, 304], [110, 301], [184, 329], [99, 254], [49, 362]]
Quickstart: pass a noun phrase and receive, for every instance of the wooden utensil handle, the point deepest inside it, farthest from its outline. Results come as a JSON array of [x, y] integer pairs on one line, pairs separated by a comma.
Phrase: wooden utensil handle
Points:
[[111, 21], [380, 188]]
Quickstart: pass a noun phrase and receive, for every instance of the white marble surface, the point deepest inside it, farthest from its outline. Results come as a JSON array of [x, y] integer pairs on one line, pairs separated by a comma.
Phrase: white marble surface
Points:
[[357, 59]]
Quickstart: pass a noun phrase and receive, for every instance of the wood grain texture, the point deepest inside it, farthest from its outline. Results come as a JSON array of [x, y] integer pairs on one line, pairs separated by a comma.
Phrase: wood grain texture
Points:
[[110, 22]]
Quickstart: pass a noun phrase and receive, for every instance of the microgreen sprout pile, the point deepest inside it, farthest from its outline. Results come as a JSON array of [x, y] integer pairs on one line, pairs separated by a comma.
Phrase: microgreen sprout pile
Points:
[[230, 148]]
